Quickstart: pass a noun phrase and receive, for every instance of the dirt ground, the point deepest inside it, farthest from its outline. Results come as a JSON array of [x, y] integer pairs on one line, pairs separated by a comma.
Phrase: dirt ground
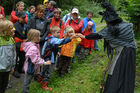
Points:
[[16, 84]]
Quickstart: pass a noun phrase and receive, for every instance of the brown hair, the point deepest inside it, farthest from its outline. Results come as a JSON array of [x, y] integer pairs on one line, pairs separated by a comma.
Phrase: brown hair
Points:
[[31, 7], [18, 3], [5, 28], [39, 8], [54, 29], [32, 34]]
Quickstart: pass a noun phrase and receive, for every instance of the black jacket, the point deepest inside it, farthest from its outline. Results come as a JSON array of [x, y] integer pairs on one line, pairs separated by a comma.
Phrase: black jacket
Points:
[[40, 24]]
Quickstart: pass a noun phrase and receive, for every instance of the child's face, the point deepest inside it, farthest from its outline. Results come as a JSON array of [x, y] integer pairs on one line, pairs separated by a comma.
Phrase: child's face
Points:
[[20, 7], [32, 10], [37, 39], [56, 34], [90, 26], [70, 33]]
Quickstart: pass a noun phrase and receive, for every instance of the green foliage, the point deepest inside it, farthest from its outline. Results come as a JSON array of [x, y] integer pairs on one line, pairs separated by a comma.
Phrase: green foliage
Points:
[[133, 11]]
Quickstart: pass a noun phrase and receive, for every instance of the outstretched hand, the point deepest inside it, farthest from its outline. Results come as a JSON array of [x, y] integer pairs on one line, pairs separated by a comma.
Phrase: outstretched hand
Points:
[[80, 35]]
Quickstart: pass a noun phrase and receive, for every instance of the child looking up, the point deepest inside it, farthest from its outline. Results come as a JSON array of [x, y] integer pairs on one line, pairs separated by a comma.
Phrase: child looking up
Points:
[[33, 59], [7, 53], [86, 45], [54, 43], [67, 52]]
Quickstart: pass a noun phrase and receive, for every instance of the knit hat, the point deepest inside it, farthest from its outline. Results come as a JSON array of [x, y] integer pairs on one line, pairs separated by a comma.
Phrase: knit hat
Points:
[[90, 23]]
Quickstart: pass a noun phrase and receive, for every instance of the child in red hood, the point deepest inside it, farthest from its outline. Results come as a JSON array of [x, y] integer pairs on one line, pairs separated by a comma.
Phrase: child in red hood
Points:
[[86, 45]]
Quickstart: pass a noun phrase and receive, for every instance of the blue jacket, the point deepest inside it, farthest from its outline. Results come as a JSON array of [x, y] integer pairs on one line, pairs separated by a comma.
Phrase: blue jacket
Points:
[[54, 43], [85, 21]]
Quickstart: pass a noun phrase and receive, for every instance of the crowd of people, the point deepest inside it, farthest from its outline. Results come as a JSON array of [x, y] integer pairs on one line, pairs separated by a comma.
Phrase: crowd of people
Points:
[[38, 41]]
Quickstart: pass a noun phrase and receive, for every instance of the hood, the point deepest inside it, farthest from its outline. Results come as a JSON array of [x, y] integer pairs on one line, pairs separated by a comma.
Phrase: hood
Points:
[[27, 45]]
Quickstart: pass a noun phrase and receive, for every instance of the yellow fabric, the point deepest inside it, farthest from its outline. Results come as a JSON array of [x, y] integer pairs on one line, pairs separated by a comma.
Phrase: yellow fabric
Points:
[[45, 1], [69, 48]]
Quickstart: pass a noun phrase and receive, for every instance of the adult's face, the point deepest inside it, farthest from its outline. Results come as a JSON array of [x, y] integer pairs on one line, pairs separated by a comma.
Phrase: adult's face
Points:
[[75, 15], [50, 6], [20, 7], [57, 15], [40, 14], [89, 16]]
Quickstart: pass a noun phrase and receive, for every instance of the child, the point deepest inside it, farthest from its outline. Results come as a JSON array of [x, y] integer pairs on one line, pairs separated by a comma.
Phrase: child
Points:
[[19, 37], [19, 8], [67, 52], [30, 13], [7, 53], [54, 43], [86, 45], [33, 59]]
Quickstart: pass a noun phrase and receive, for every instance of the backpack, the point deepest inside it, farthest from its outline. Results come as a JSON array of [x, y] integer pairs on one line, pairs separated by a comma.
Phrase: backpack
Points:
[[60, 22], [48, 49]]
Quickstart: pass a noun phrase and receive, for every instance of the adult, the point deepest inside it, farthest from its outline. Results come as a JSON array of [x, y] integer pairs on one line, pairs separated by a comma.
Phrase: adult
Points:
[[85, 21], [75, 22], [68, 16], [56, 21], [49, 11], [118, 36], [2, 11], [19, 8], [30, 12], [40, 23]]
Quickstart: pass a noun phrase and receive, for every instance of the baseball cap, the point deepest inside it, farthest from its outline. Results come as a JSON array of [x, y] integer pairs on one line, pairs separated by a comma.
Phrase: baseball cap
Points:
[[75, 10]]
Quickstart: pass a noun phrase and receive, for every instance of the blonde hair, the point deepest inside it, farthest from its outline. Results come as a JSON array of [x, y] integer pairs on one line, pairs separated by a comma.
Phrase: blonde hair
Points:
[[69, 29], [6, 27], [53, 29], [57, 10], [18, 3], [39, 8], [32, 34]]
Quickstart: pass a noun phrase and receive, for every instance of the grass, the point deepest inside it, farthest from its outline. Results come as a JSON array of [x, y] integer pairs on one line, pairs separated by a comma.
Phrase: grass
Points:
[[85, 76]]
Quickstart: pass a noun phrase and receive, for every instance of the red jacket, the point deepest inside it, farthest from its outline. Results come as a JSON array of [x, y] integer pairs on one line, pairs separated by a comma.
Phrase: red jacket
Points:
[[85, 42], [2, 12], [55, 22], [77, 27], [14, 18]]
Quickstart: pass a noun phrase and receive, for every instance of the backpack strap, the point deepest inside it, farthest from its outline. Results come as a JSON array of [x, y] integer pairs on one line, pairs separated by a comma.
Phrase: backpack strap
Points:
[[70, 21], [61, 22], [76, 23]]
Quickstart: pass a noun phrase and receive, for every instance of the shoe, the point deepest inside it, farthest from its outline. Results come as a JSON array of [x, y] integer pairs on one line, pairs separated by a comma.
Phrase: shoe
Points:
[[39, 78], [16, 74], [45, 86]]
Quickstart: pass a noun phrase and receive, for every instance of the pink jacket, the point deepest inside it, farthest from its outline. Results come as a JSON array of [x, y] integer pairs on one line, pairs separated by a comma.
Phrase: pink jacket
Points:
[[32, 51]]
